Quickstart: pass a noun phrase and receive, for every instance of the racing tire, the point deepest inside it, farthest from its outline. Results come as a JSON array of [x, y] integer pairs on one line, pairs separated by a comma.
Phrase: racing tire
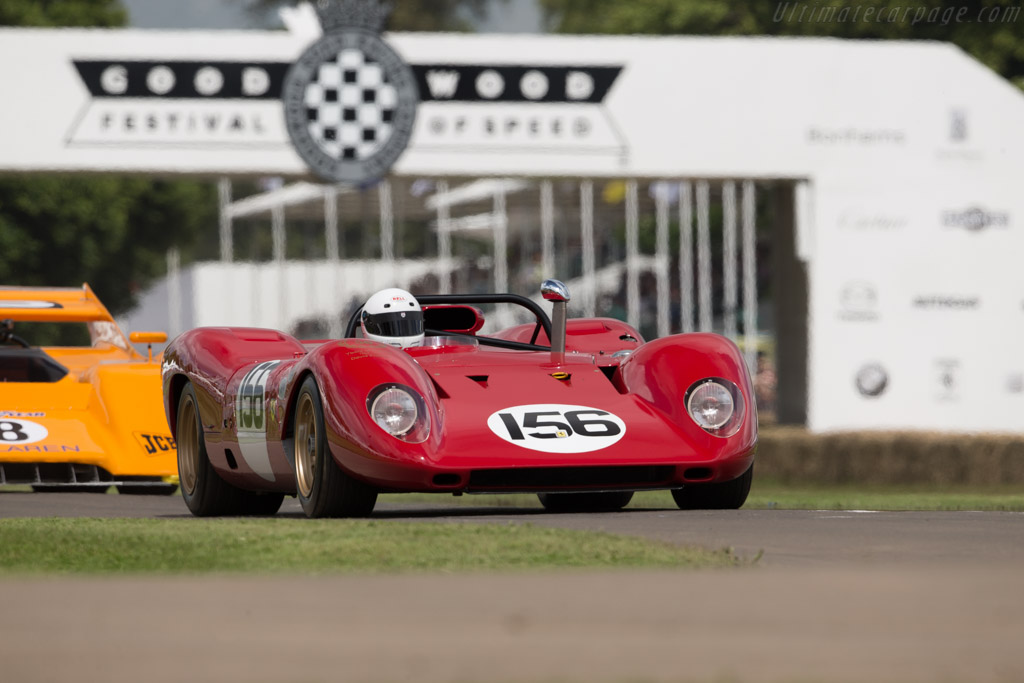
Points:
[[205, 493], [323, 489], [264, 504], [728, 495], [603, 501]]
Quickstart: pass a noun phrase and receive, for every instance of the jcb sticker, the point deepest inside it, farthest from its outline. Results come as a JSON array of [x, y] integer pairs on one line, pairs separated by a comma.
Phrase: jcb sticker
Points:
[[557, 428], [21, 431], [155, 443]]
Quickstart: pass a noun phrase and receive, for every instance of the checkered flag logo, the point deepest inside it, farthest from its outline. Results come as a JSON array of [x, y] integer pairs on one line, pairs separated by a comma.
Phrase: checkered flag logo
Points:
[[350, 104], [350, 107]]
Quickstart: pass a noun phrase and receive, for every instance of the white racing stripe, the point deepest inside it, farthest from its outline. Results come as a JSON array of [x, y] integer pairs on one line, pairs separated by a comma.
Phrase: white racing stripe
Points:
[[251, 419]]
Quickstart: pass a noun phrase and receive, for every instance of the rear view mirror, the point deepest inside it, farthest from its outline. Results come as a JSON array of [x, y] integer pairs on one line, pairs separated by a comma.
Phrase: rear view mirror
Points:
[[148, 337]]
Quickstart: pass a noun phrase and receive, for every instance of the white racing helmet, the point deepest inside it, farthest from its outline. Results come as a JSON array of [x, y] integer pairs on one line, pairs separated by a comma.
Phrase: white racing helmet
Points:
[[393, 316]]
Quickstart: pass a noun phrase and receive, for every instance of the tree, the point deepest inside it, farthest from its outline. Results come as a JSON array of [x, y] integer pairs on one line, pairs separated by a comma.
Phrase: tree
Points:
[[991, 31], [113, 231], [98, 13]]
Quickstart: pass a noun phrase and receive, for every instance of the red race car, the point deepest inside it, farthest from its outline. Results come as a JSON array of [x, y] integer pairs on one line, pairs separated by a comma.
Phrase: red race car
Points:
[[423, 402]]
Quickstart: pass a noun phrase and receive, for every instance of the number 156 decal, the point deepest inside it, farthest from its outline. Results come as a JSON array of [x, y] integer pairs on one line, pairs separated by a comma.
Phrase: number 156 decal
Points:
[[557, 428]]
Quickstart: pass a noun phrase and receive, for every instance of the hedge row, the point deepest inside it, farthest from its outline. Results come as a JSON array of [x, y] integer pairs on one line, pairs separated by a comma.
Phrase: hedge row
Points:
[[792, 455]]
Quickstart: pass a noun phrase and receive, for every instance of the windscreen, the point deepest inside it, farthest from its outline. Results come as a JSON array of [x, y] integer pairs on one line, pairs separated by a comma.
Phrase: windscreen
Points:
[[97, 334]]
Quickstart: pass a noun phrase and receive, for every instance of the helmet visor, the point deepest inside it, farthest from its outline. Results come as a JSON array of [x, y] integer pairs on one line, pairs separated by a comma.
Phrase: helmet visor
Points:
[[397, 324]]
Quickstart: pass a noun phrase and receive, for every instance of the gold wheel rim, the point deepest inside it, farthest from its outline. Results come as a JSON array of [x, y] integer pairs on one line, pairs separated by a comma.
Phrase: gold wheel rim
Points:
[[305, 445], [188, 446]]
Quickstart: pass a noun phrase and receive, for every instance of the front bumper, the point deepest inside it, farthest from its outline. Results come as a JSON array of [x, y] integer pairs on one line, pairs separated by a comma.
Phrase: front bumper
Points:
[[73, 475], [632, 474]]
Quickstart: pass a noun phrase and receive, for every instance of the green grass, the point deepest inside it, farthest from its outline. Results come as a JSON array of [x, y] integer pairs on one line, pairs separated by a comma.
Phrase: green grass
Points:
[[281, 545], [768, 495], [115, 546], [860, 497]]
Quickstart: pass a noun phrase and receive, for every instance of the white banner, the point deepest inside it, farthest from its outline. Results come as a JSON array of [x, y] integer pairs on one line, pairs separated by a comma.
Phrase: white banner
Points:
[[210, 102]]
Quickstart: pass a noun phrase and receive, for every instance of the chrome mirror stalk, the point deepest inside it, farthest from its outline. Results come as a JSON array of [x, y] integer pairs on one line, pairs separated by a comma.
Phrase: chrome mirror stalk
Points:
[[558, 294]]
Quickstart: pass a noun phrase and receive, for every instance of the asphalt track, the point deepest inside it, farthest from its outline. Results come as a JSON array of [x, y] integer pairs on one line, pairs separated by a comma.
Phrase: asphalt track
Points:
[[835, 596]]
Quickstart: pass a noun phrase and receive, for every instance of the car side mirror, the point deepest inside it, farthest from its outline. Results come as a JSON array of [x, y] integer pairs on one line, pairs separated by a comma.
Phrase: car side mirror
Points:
[[148, 338], [557, 293]]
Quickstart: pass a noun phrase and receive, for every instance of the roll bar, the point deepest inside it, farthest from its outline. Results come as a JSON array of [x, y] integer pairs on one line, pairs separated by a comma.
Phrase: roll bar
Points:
[[439, 299]]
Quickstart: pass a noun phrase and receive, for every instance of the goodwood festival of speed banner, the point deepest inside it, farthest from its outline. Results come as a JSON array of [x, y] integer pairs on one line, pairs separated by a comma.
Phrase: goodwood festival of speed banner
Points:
[[349, 104], [174, 103], [342, 101]]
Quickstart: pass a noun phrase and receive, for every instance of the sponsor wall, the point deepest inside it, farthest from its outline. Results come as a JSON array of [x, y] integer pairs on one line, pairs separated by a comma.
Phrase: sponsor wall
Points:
[[917, 299], [906, 153]]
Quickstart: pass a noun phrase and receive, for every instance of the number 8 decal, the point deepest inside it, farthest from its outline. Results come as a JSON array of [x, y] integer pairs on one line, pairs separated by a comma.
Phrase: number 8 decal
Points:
[[556, 428], [21, 432]]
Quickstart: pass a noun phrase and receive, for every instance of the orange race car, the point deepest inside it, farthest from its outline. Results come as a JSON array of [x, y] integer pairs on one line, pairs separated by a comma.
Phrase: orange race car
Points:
[[83, 413]]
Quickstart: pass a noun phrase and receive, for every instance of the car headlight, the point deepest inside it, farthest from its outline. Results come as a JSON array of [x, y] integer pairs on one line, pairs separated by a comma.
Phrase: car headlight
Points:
[[399, 411], [716, 405]]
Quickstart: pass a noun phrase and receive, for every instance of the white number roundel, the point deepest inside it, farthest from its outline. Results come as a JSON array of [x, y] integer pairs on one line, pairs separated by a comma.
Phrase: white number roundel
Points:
[[21, 431], [557, 428]]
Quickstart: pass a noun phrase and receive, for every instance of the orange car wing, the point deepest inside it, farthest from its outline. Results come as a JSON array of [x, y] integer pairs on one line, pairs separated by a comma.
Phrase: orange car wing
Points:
[[51, 304]]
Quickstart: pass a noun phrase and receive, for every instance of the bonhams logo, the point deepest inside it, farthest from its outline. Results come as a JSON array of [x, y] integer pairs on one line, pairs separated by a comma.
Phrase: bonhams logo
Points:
[[855, 137], [975, 219]]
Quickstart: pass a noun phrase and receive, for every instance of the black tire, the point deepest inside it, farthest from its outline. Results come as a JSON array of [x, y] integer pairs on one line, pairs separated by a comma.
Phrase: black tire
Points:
[[728, 495], [263, 504], [322, 488], [147, 489], [604, 501], [205, 493]]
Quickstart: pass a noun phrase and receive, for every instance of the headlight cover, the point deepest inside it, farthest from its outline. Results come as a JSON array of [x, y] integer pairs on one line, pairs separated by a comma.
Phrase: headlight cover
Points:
[[716, 405], [400, 411]]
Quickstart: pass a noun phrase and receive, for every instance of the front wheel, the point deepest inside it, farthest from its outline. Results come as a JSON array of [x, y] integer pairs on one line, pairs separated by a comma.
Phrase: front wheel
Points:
[[604, 501], [728, 495], [323, 489], [205, 493]]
